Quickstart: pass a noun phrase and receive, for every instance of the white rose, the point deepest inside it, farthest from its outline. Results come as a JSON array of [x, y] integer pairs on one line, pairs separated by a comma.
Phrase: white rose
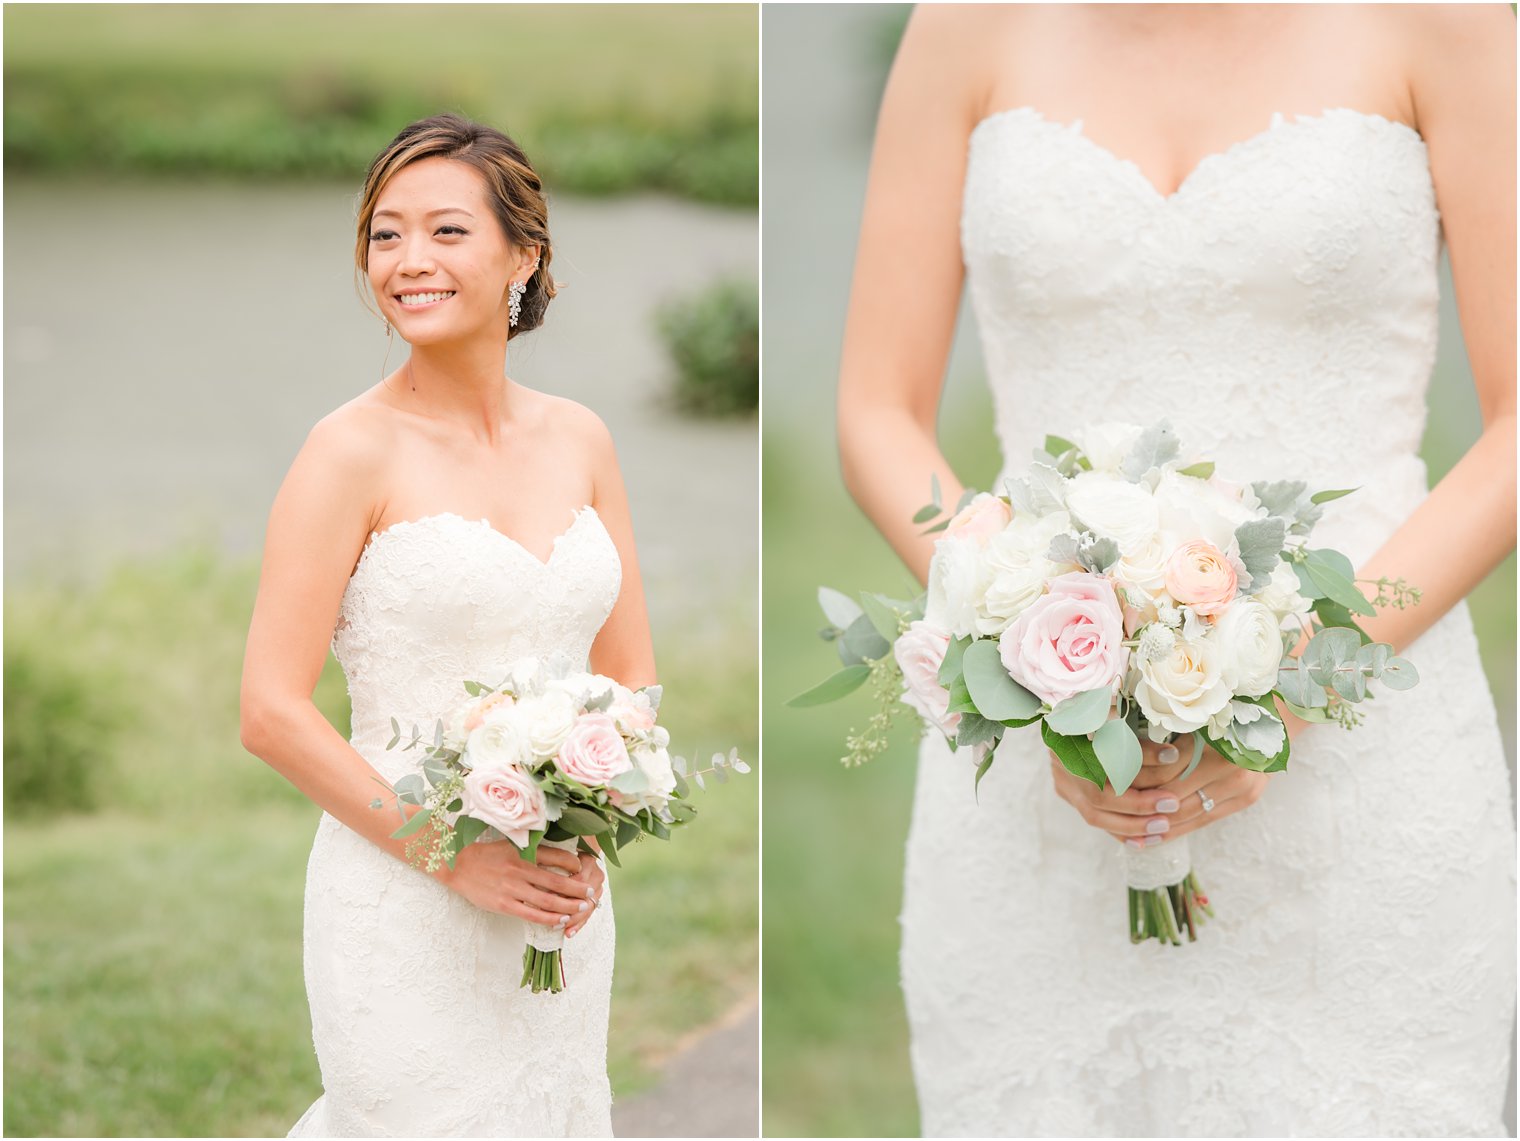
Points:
[[1141, 571], [1018, 577], [655, 765], [1196, 509], [1180, 692], [957, 580], [1106, 445], [499, 743], [1250, 647], [920, 650], [1281, 596], [546, 720], [1114, 508]]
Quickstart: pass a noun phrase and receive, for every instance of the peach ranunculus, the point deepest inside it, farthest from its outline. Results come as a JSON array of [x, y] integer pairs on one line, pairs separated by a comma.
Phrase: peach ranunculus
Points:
[[507, 799], [980, 519], [1199, 575], [487, 703], [594, 752], [1069, 641]]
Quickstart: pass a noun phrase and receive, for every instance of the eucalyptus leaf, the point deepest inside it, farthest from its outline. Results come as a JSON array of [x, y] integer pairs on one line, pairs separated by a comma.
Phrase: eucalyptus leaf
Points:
[[1327, 496], [1350, 684], [1076, 754], [580, 821], [1303, 713], [473, 688], [633, 781], [934, 492], [862, 643], [627, 832], [1199, 470], [741, 767], [981, 771], [1081, 714], [1332, 613], [1298, 688], [1056, 445], [436, 771], [925, 513], [1329, 650], [414, 825], [411, 788], [844, 682], [1197, 756], [610, 851], [1373, 656], [883, 615], [466, 831], [1399, 673], [954, 653], [1332, 573], [997, 696], [1118, 751]]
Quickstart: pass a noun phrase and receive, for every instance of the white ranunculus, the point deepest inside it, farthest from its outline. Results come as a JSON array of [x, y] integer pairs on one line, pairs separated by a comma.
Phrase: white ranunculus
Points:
[[1106, 445], [546, 720], [1143, 569], [1182, 691], [1250, 647], [1196, 509], [499, 743], [957, 581], [1114, 508], [1281, 596]]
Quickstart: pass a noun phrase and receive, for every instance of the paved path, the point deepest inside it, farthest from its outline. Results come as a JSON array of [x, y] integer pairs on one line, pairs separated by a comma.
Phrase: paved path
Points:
[[710, 1088]]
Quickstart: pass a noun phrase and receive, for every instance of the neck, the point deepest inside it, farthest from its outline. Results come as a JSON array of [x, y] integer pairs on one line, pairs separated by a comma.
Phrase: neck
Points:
[[462, 382]]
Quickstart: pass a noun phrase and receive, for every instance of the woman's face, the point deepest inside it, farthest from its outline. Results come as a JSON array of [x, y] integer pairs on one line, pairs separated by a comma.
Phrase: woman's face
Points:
[[439, 263]]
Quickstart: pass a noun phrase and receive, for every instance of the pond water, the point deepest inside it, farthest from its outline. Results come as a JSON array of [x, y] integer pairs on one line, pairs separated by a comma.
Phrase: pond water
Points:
[[168, 346]]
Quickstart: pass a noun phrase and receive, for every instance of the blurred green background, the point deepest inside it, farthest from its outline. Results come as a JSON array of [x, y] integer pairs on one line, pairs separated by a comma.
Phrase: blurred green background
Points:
[[835, 1042], [180, 193]]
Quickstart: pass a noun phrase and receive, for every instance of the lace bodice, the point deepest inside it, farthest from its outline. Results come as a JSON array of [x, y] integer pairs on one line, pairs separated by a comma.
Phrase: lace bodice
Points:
[[443, 599], [1295, 269], [1280, 310]]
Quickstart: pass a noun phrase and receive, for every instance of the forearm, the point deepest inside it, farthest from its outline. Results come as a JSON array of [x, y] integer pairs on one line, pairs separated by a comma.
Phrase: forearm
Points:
[[1463, 529], [888, 458], [302, 746]]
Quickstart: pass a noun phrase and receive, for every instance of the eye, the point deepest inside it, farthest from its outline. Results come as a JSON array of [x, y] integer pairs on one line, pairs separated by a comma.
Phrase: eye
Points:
[[450, 228], [382, 235]]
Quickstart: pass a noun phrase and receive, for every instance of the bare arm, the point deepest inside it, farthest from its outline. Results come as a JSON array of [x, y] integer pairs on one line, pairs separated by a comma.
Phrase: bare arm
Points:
[[907, 285], [623, 649], [1463, 85]]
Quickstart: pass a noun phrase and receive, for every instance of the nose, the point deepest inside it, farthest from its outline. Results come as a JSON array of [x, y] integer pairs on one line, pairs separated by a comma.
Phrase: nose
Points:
[[416, 256]]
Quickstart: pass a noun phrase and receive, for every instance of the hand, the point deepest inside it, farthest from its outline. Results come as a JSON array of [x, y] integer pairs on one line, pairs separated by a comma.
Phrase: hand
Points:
[[495, 877], [592, 876], [1160, 805]]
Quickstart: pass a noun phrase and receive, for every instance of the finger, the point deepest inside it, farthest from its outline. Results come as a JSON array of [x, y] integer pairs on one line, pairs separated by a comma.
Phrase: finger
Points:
[[546, 901], [557, 858], [509, 905], [1132, 802], [552, 882], [1233, 798]]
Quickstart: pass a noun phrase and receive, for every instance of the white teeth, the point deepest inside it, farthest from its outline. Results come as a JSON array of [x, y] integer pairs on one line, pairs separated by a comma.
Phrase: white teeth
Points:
[[423, 298]]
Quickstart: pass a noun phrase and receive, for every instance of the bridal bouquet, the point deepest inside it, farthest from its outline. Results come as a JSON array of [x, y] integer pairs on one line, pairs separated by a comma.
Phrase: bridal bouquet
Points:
[[1120, 589], [549, 756]]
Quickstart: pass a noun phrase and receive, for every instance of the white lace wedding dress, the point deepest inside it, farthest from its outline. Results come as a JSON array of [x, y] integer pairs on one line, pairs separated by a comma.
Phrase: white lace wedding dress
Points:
[[419, 1024], [1359, 978]]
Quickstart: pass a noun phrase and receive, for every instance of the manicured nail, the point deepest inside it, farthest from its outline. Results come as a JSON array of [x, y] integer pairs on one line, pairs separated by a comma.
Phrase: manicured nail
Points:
[[562, 920], [1167, 804], [591, 894], [1152, 841], [1155, 826], [1136, 844], [1168, 754], [585, 906]]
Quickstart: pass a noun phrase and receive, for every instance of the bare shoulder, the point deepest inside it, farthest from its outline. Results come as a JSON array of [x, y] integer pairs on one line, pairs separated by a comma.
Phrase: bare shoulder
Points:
[[950, 54], [354, 439], [572, 423], [1461, 59]]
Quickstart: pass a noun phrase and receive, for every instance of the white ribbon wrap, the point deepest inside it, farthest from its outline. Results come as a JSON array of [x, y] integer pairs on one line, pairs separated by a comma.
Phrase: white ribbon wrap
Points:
[[551, 938], [1161, 866]]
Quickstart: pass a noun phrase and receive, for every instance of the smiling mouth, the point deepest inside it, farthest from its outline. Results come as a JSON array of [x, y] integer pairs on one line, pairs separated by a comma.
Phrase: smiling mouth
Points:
[[413, 300]]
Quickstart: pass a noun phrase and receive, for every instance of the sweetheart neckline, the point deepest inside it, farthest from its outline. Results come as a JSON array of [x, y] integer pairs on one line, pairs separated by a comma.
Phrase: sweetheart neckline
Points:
[[376, 536], [1278, 120]]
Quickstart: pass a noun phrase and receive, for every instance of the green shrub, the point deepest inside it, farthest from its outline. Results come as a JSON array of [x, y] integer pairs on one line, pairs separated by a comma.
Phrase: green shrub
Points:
[[714, 339]]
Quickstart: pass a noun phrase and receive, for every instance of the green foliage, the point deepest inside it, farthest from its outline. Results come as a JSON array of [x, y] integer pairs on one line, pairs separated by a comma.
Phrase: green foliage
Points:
[[714, 339], [655, 100]]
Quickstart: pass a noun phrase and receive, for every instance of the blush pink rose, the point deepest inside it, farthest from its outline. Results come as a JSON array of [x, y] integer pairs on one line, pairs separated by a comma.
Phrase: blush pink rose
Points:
[[919, 651], [1069, 641], [594, 752], [980, 519], [1199, 575], [507, 799]]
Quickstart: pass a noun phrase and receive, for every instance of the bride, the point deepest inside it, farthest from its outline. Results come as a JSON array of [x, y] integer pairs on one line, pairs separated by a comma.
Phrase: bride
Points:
[[1228, 216], [442, 523]]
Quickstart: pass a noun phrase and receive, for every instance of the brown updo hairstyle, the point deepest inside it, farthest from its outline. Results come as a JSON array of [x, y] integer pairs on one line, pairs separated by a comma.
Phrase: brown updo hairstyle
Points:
[[512, 186]]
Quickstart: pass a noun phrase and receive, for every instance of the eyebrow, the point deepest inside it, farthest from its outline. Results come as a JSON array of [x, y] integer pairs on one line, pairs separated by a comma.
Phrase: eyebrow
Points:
[[429, 214]]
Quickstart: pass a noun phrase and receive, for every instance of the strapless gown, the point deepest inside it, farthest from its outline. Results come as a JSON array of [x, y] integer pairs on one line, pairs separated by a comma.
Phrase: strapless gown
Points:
[[1359, 979], [419, 1024]]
